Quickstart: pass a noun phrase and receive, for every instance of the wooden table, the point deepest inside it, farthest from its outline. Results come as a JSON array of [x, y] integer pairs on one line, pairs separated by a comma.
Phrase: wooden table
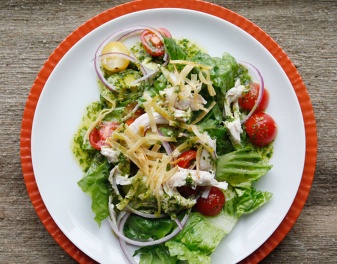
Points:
[[30, 30]]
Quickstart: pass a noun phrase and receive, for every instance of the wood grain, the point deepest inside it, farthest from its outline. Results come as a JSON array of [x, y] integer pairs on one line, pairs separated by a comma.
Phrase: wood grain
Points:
[[30, 31]]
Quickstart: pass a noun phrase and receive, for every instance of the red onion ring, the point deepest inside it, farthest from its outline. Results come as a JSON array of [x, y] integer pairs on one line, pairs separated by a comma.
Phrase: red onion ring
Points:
[[129, 209], [119, 232], [122, 242], [97, 64], [145, 77], [128, 32], [124, 248], [251, 67], [126, 252], [179, 224], [206, 192], [122, 35], [145, 215], [166, 145]]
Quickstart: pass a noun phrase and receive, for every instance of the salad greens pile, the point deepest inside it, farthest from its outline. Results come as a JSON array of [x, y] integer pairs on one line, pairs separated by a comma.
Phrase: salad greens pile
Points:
[[117, 180]]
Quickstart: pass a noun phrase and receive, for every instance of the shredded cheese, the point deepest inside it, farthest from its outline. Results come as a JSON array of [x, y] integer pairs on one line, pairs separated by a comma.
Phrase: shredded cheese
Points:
[[202, 139], [136, 146], [207, 81], [143, 149], [198, 156], [148, 109], [161, 111], [187, 69]]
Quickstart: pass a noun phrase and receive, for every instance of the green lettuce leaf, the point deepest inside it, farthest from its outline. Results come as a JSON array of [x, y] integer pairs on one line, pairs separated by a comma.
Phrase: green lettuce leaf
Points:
[[224, 71], [137, 227], [249, 200], [95, 183], [201, 234], [218, 132], [197, 240], [173, 49], [242, 167], [157, 254]]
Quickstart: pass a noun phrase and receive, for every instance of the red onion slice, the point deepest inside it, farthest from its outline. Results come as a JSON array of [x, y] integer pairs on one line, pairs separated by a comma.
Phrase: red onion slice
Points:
[[256, 73], [97, 64], [165, 144], [145, 215], [126, 251], [119, 232], [179, 224], [145, 77], [124, 247], [122, 35], [126, 33], [206, 192]]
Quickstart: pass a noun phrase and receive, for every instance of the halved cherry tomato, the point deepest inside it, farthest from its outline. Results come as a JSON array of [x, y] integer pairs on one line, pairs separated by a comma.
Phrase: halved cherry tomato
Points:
[[213, 204], [151, 42], [186, 157], [100, 133], [261, 129], [114, 63], [247, 102]]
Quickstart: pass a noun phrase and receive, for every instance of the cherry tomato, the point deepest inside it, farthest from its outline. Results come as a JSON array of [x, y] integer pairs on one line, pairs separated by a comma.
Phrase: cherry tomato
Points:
[[100, 133], [114, 63], [186, 157], [187, 191], [247, 102], [261, 129], [213, 204], [151, 42]]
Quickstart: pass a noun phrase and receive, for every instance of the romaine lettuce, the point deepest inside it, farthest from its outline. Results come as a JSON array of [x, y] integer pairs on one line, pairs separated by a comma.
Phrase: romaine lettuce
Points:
[[196, 241], [157, 254], [137, 227], [224, 71], [173, 49], [95, 183], [242, 167], [248, 200], [202, 234], [218, 132]]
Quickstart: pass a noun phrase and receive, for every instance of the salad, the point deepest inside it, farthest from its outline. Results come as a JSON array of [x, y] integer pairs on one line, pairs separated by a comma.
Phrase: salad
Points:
[[172, 149]]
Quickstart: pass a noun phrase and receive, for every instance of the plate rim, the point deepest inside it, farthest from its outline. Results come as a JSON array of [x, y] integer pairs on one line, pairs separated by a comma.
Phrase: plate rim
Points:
[[196, 5]]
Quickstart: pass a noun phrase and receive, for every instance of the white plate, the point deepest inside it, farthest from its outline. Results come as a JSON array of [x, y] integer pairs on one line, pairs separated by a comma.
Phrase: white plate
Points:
[[72, 86]]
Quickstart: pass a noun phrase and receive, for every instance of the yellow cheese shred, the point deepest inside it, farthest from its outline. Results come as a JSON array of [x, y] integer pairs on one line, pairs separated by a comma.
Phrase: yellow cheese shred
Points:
[[207, 81], [201, 139]]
